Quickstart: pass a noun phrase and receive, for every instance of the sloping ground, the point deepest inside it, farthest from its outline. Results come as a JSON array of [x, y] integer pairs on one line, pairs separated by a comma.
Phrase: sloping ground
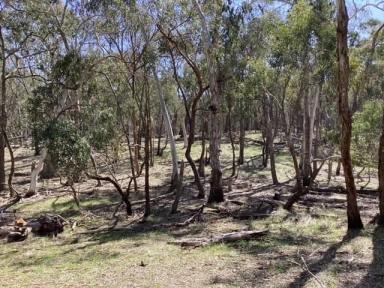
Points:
[[307, 248], [135, 254]]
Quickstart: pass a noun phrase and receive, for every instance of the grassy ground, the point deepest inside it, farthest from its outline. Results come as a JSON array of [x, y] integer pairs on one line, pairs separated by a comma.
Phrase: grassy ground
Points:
[[307, 248]]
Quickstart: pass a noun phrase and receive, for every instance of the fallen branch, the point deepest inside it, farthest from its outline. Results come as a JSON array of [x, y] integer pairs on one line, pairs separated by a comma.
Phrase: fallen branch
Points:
[[124, 196], [197, 217], [166, 195], [10, 203], [305, 267], [341, 190], [224, 238]]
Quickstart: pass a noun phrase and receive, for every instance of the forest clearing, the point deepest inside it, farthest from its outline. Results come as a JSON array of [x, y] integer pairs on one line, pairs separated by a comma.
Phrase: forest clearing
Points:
[[106, 251], [192, 143]]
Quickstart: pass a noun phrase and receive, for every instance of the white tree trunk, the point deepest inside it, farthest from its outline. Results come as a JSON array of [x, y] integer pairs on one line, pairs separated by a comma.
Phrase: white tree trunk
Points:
[[168, 125], [36, 171], [164, 111], [185, 136]]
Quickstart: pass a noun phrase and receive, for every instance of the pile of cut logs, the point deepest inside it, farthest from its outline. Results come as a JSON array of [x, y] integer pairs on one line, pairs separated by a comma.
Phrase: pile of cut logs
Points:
[[45, 225]]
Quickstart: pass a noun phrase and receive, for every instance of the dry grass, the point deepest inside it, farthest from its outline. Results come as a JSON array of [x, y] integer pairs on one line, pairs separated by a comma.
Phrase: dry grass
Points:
[[135, 254]]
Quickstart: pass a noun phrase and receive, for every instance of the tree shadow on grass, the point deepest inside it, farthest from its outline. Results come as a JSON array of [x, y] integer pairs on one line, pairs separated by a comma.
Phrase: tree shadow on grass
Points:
[[375, 275], [322, 264]]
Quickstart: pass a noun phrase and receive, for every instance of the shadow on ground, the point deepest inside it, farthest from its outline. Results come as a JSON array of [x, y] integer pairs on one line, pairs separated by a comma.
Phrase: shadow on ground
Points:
[[322, 264], [375, 276]]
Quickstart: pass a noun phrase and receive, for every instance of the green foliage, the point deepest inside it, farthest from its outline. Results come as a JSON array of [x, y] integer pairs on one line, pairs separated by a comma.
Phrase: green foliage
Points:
[[69, 69], [39, 108], [69, 150], [100, 126], [366, 132]]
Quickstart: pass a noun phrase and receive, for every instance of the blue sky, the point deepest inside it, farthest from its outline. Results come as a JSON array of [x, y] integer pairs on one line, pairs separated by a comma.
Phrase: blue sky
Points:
[[370, 11]]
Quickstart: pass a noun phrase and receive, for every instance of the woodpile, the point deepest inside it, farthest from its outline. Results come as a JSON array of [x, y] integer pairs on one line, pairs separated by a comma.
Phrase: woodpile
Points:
[[45, 225]]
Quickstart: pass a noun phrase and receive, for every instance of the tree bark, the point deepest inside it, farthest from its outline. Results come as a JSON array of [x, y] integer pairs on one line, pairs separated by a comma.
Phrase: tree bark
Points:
[[12, 191], [232, 142], [160, 131], [268, 112], [381, 175], [3, 115], [306, 168], [354, 220], [147, 120], [168, 126], [216, 193], [95, 168], [240, 161], [36, 169], [190, 111], [204, 127], [179, 189], [185, 136], [124, 196]]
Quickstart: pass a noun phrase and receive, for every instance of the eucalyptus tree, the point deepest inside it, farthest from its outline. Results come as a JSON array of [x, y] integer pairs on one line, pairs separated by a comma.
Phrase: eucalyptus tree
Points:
[[354, 220], [232, 63], [17, 33], [300, 50], [209, 33], [131, 39], [368, 129], [191, 85]]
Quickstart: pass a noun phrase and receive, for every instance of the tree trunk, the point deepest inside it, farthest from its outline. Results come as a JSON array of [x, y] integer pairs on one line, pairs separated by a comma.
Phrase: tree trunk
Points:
[[168, 126], [36, 169], [71, 184], [179, 189], [3, 115], [232, 142], [216, 193], [124, 196], [381, 175], [12, 191], [136, 136], [49, 169], [298, 190], [240, 161], [268, 112], [191, 140], [147, 211], [185, 136], [306, 159], [158, 153], [330, 164], [354, 220], [338, 167], [95, 168], [202, 155], [151, 142]]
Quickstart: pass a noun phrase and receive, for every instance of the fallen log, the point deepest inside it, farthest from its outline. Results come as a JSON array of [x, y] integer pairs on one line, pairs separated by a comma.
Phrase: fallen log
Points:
[[341, 190], [224, 238], [47, 225], [19, 234]]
